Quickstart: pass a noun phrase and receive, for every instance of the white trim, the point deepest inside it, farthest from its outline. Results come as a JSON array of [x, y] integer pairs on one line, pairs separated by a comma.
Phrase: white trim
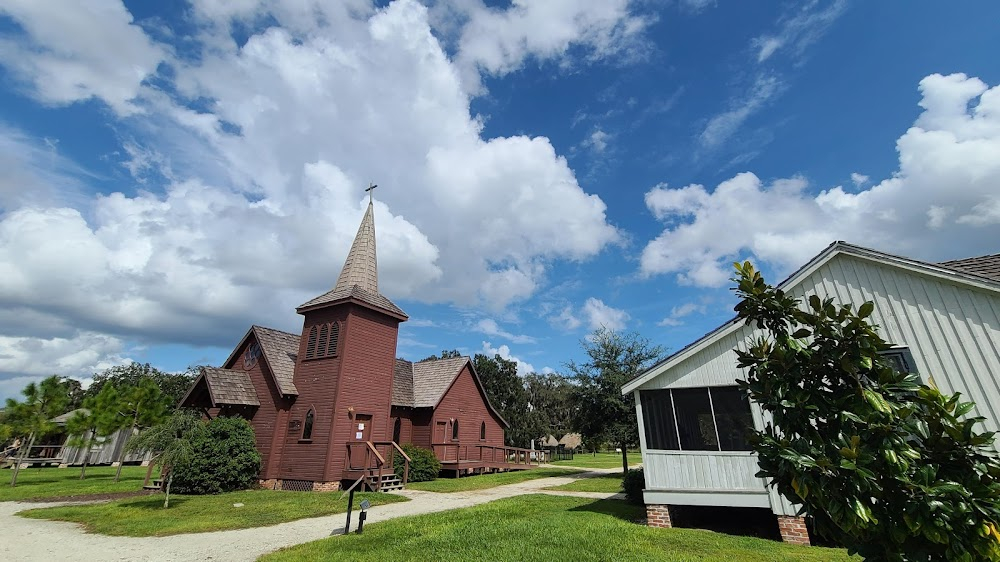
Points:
[[720, 498], [804, 272]]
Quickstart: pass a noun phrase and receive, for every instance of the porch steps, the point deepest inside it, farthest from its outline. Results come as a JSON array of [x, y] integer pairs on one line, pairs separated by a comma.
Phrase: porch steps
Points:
[[390, 482]]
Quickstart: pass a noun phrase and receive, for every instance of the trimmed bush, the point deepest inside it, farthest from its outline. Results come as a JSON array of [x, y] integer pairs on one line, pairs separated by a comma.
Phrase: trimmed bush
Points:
[[424, 464], [633, 484], [224, 459]]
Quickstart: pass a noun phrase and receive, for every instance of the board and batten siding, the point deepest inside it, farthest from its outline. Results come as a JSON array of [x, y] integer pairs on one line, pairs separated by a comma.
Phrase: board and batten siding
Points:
[[952, 330]]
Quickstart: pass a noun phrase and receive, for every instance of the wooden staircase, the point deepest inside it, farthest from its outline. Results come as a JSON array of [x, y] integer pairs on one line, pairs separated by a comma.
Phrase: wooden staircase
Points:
[[388, 483]]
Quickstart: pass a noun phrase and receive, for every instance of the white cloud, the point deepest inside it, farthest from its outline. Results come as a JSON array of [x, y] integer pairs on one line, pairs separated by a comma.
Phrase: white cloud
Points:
[[249, 225], [523, 367], [490, 327], [597, 142], [79, 49], [722, 126], [947, 179], [566, 319], [678, 313], [799, 29], [696, 6], [600, 315], [500, 41], [859, 179], [79, 356]]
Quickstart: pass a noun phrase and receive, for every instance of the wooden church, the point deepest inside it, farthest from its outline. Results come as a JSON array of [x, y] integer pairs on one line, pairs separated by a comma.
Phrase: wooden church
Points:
[[331, 406]]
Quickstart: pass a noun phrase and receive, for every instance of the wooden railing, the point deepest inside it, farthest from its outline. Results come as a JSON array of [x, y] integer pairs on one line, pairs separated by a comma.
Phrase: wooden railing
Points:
[[457, 452], [366, 456]]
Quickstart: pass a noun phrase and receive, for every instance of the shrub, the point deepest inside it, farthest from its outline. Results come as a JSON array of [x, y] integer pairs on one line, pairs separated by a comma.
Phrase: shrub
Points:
[[224, 459], [633, 484], [424, 464]]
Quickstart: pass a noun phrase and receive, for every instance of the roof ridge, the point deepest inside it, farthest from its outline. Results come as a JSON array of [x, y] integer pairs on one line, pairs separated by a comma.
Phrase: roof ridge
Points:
[[276, 330]]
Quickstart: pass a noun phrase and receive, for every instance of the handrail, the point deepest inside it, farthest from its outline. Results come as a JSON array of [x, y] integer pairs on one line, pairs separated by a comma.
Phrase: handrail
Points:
[[378, 456]]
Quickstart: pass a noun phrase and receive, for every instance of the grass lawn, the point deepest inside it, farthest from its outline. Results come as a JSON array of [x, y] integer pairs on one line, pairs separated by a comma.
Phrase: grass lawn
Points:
[[484, 481], [145, 516], [57, 482], [610, 483], [545, 528], [600, 460]]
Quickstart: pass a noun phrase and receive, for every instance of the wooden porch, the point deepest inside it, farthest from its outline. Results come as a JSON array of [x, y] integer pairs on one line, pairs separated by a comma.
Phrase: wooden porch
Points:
[[373, 461], [459, 459]]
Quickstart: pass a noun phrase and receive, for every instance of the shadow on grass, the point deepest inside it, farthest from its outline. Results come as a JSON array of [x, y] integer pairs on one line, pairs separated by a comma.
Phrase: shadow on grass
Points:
[[615, 508], [154, 502]]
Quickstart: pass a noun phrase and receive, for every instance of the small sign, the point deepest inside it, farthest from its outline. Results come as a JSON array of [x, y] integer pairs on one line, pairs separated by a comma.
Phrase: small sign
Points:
[[365, 504], [361, 426], [359, 435]]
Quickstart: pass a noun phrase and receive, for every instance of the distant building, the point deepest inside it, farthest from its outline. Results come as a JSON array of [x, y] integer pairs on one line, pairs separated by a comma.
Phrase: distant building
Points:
[[331, 405], [943, 320]]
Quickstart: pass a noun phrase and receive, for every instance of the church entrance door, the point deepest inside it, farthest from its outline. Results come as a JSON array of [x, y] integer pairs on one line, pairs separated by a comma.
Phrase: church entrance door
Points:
[[362, 427]]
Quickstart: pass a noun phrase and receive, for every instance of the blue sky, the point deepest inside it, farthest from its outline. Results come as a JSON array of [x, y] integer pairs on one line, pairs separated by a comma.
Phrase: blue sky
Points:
[[175, 172]]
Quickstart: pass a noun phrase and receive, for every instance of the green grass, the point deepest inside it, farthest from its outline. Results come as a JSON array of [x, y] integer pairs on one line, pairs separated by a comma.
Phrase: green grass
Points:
[[33, 483], [609, 483], [545, 528], [601, 460], [484, 481], [145, 516]]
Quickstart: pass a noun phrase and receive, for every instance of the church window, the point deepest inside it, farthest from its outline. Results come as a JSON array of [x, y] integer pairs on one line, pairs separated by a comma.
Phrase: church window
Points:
[[311, 343], [307, 428], [482, 432], [324, 334], [397, 426], [323, 340], [454, 431]]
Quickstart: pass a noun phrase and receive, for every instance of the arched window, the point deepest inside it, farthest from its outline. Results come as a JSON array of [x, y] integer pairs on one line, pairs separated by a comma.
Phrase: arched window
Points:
[[396, 427], [307, 428], [482, 432], [331, 348], [324, 332], [311, 344], [454, 431]]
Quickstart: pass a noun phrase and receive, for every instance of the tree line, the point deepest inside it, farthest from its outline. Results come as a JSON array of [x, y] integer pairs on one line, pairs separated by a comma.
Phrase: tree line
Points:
[[586, 399], [129, 397]]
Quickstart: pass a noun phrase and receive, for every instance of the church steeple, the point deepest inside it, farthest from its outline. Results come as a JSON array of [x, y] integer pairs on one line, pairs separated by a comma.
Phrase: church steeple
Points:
[[361, 265], [358, 281]]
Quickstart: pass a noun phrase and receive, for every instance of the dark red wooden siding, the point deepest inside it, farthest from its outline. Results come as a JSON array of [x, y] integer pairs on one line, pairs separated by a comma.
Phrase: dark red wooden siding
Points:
[[465, 403]]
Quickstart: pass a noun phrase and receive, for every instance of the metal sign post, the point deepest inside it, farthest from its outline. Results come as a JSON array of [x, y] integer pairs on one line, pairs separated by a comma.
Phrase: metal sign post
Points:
[[365, 504], [350, 504]]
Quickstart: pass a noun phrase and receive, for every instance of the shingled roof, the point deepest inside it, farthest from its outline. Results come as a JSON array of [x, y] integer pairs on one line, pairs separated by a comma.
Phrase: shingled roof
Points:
[[424, 384], [359, 278], [983, 266], [280, 351], [226, 386]]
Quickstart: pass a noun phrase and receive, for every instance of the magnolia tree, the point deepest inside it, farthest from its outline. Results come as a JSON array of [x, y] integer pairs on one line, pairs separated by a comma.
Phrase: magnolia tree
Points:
[[883, 464]]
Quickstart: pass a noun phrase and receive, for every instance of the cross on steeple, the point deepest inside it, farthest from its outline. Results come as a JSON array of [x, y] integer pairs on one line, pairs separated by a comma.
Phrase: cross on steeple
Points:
[[371, 187]]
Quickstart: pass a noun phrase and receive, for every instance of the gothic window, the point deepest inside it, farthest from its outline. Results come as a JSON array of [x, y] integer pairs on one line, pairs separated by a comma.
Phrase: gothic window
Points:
[[396, 428], [311, 344], [323, 340], [482, 432], [454, 431], [307, 428]]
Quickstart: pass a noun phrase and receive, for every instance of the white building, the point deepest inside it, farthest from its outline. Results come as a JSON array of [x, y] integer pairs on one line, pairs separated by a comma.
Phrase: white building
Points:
[[942, 319]]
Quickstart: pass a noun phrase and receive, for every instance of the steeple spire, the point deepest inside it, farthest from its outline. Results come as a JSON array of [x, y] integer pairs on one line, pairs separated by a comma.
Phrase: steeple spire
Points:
[[361, 265]]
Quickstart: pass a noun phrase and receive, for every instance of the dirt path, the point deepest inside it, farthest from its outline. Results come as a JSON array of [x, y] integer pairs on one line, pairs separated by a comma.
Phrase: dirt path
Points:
[[24, 539]]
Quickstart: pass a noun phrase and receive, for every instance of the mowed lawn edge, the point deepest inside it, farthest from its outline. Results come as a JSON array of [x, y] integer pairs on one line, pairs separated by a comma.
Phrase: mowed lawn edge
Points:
[[600, 460], [484, 481], [48, 483], [603, 483], [146, 517], [544, 528]]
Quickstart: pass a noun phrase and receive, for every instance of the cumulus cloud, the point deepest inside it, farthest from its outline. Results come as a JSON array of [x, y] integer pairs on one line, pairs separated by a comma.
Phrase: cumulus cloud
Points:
[[523, 367], [490, 327], [498, 42], [76, 50], [566, 319], [947, 180], [600, 315], [859, 179], [678, 313], [248, 170]]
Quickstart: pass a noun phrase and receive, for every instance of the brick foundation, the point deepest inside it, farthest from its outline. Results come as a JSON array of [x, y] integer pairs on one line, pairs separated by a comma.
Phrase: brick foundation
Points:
[[793, 529], [658, 515], [326, 486]]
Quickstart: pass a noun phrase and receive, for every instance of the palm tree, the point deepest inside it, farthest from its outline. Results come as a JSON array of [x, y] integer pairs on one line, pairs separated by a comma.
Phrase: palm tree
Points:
[[33, 417], [172, 441]]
